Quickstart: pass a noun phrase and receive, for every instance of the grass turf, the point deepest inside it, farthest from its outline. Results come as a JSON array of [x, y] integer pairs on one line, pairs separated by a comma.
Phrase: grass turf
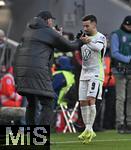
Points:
[[107, 140]]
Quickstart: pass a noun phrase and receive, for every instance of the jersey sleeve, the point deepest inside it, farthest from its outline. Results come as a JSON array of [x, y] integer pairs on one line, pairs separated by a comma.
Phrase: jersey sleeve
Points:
[[99, 44]]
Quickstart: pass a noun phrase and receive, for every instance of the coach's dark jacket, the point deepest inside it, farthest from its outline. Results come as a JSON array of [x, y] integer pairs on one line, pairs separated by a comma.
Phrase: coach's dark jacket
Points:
[[33, 57]]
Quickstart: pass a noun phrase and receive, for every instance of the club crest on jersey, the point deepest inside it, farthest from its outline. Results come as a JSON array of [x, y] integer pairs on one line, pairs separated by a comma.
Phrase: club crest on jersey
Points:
[[86, 54]]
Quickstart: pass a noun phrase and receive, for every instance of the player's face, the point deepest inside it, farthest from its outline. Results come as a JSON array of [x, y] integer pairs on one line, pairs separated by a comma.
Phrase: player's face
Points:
[[89, 26]]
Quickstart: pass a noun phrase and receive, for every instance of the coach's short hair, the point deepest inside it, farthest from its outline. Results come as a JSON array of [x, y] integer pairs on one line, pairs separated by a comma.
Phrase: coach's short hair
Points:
[[92, 18]]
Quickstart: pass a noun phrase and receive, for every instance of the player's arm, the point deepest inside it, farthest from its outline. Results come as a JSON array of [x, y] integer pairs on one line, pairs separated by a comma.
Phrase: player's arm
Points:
[[98, 46], [95, 46]]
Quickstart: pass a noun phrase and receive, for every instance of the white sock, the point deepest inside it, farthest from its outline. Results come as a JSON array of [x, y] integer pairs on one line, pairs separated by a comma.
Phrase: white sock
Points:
[[85, 112], [92, 115]]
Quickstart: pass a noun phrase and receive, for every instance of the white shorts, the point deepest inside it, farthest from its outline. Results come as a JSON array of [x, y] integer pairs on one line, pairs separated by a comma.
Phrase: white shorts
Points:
[[90, 88]]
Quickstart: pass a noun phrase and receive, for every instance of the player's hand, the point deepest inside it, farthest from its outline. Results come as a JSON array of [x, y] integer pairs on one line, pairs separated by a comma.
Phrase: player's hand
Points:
[[85, 39]]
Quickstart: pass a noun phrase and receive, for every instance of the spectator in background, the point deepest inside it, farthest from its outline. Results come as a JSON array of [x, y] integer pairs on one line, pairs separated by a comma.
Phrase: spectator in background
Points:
[[6, 53], [121, 58], [8, 95], [63, 80], [33, 62]]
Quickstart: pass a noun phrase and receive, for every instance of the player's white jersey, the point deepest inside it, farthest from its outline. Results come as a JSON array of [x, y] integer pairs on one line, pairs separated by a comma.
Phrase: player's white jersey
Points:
[[93, 57]]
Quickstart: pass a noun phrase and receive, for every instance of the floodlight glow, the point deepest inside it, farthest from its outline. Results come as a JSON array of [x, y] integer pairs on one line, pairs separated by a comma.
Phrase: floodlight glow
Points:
[[2, 3]]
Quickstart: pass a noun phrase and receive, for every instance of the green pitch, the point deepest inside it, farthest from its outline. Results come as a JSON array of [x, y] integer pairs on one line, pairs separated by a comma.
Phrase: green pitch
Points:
[[107, 140]]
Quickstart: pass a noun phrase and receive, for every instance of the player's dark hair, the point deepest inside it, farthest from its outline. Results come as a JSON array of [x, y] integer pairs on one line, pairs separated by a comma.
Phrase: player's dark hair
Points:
[[92, 18]]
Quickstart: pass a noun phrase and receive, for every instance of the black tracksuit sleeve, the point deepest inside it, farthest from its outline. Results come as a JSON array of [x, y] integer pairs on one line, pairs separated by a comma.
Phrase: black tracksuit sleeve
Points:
[[55, 40], [61, 43]]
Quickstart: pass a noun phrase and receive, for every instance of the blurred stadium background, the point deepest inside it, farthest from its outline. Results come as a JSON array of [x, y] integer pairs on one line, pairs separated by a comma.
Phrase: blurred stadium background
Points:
[[68, 13]]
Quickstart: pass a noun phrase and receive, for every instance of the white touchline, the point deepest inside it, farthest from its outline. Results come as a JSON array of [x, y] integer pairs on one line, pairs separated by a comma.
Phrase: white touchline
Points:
[[113, 140]]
